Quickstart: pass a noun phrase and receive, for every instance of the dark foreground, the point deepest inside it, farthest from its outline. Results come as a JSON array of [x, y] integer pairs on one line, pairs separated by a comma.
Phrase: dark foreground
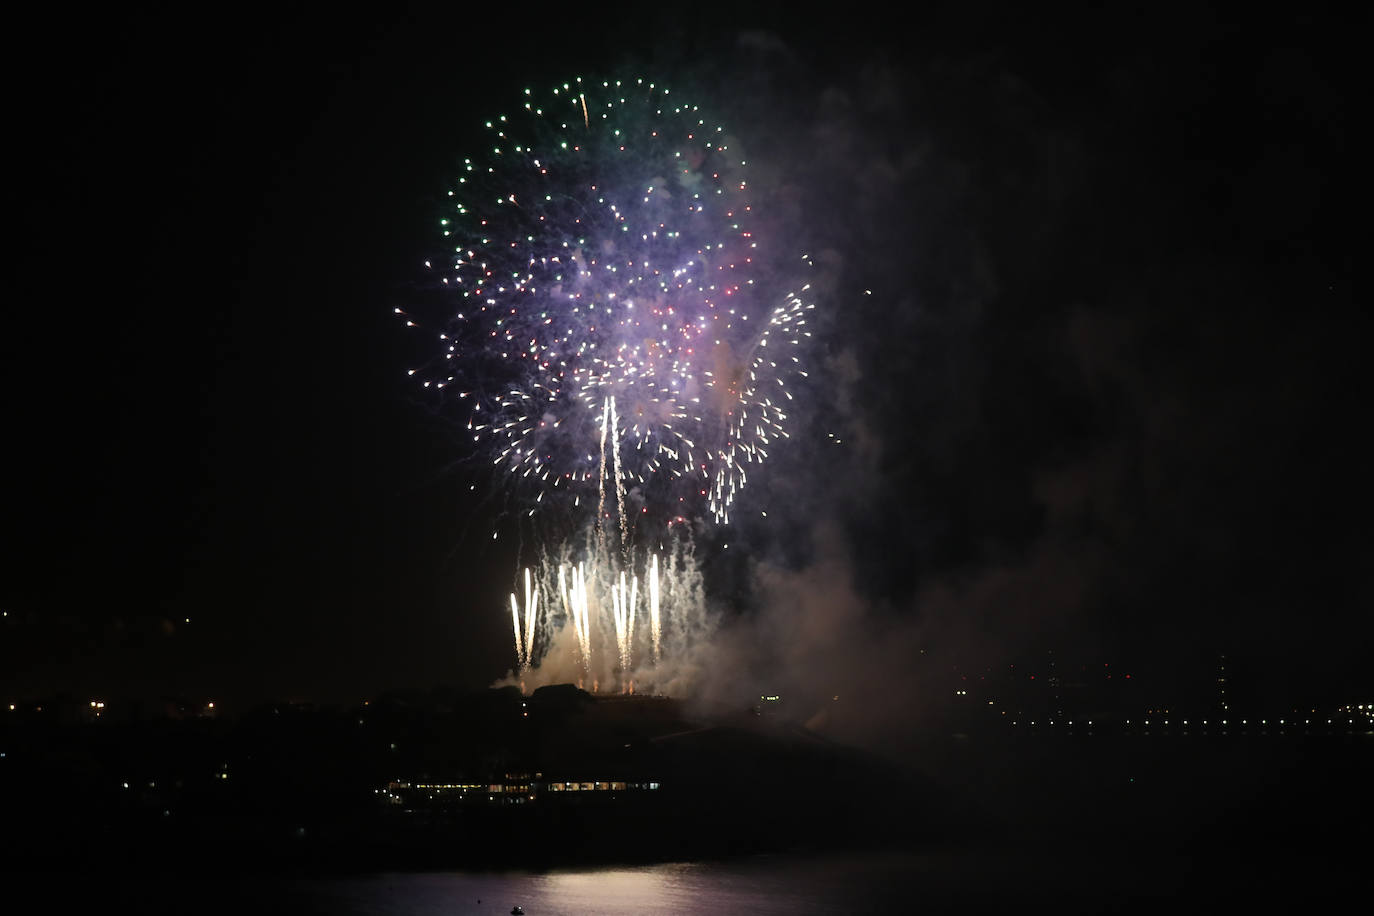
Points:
[[293, 815], [1031, 881]]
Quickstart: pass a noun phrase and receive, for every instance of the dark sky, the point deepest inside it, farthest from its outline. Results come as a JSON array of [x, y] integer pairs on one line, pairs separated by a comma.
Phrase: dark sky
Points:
[[1107, 395]]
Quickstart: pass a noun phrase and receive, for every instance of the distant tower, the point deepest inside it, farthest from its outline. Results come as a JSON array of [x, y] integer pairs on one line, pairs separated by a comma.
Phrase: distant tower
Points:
[[1056, 697], [1221, 685]]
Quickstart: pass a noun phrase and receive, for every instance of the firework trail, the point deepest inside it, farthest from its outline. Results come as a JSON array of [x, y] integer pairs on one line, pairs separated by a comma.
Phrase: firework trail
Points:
[[591, 635], [611, 286], [524, 637], [575, 609], [655, 620]]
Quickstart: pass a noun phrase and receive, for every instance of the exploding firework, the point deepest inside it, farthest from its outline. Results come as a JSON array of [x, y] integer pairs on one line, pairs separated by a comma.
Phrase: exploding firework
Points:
[[615, 313], [616, 334]]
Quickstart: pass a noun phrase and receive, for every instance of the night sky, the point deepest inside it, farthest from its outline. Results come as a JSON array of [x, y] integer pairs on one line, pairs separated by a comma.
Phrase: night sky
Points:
[[1107, 395]]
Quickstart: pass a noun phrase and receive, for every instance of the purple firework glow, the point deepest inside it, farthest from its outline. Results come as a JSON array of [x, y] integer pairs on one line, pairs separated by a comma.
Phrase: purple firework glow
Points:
[[613, 315]]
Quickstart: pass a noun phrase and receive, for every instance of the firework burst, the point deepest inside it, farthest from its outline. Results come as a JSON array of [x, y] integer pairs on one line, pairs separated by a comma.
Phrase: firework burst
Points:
[[614, 315]]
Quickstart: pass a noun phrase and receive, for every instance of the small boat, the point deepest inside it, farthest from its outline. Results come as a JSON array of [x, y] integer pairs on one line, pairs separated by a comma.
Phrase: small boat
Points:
[[517, 911]]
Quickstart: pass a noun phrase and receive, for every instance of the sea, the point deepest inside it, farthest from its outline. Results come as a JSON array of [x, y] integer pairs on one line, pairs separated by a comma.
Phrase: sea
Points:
[[1043, 880], [1163, 825]]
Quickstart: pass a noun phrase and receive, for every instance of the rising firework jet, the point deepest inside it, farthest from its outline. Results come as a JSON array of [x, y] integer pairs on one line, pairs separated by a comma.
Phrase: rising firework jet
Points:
[[591, 634], [524, 636], [616, 314]]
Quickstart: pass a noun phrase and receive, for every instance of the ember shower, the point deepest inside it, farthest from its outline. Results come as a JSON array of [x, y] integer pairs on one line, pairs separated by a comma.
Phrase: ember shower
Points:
[[618, 335]]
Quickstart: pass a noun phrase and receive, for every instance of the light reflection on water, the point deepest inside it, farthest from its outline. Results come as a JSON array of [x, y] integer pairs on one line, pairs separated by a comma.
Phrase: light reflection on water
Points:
[[764, 886], [963, 882]]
